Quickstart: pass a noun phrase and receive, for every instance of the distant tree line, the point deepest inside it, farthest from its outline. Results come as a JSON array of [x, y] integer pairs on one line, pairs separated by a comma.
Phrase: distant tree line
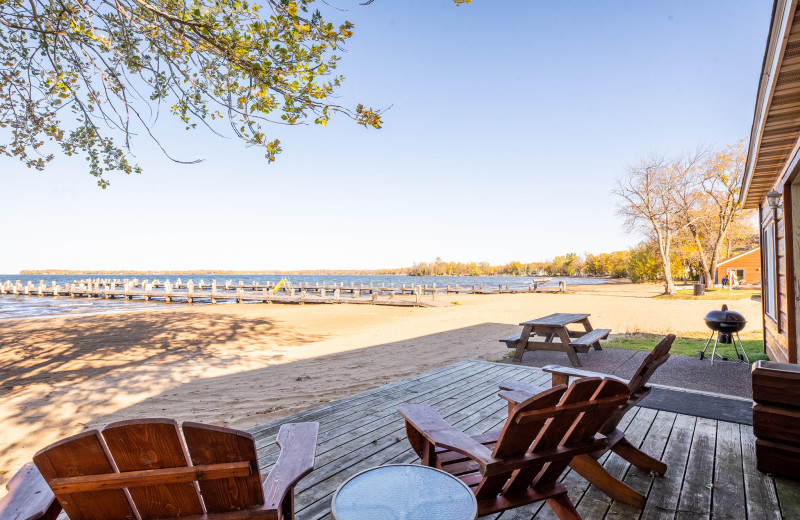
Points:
[[639, 264]]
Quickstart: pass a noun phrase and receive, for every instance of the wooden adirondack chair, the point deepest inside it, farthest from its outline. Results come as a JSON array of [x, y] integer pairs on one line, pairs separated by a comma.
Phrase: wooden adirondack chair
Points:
[[587, 465], [521, 463], [146, 469]]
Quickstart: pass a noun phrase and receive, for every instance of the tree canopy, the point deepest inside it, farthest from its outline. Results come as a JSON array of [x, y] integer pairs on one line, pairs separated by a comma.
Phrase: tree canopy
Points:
[[90, 75]]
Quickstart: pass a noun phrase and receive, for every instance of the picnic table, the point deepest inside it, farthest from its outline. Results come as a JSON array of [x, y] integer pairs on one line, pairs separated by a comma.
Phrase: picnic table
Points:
[[552, 326]]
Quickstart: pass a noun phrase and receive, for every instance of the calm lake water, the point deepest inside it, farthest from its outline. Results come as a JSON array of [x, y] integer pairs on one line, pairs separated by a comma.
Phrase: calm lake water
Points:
[[20, 307]]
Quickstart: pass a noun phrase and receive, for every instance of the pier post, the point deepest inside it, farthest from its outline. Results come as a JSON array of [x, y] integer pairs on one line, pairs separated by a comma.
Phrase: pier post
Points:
[[473, 289], [374, 297], [336, 294]]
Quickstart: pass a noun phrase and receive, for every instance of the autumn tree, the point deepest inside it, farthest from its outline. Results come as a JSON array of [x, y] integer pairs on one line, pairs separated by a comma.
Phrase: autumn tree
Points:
[[711, 207], [89, 75], [650, 202]]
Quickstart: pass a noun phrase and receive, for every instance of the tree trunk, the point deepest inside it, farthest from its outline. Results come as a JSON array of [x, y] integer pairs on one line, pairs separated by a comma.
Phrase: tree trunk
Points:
[[663, 250]]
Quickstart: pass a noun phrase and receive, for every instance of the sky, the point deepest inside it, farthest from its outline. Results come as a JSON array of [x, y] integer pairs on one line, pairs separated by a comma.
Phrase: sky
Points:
[[509, 123]]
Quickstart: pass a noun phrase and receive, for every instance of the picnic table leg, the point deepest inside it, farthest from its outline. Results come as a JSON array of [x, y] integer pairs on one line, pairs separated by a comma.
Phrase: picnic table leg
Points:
[[573, 357], [588, 327], [522, 344]]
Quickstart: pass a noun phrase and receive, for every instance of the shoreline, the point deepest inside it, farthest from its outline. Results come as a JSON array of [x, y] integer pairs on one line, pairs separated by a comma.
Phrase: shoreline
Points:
[[243, 365]]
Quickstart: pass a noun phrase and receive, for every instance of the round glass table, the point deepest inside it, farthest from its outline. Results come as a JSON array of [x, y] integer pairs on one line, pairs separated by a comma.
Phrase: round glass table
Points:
[[404, 492]]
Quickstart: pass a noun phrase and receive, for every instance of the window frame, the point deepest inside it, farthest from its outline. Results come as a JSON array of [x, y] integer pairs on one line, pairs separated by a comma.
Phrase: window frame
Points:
[[770, 271]]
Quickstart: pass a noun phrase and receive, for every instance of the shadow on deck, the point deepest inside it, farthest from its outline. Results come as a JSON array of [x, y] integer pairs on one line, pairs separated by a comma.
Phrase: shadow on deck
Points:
[[711, 473]]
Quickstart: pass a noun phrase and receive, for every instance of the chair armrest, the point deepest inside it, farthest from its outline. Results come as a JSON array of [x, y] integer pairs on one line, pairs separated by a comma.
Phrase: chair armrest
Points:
[[435, 429], [561, 374], [29, 497], [519, 386], [517, 391], [298, 443]]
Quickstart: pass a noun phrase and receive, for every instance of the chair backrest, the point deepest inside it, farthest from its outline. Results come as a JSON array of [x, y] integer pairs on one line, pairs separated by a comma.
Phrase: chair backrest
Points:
[[146, 469], [557, 425], [657, 357]]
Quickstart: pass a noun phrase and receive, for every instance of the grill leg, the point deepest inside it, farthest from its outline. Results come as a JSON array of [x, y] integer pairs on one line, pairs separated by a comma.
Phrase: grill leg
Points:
[[740, 344], [714, 352], [702, 353]]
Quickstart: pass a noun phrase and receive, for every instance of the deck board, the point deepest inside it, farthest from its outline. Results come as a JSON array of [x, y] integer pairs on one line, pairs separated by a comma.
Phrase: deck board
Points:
[[711, 463]]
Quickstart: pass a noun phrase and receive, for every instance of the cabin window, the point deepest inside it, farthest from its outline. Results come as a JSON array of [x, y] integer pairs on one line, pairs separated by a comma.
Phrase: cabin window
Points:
[[769, 291]]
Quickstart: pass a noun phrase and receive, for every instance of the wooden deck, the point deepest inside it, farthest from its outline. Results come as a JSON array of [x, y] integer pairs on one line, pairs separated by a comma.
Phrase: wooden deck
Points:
[[711, 472]]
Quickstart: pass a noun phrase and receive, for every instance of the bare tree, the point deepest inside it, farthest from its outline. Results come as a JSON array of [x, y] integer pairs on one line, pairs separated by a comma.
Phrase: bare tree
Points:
[[653, 192]]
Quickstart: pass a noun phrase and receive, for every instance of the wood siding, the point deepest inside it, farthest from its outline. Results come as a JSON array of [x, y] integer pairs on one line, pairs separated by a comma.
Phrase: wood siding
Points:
[[779, 333]]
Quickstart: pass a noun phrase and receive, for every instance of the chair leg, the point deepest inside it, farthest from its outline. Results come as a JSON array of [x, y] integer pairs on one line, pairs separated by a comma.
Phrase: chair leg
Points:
[[287, 506], [592, 471], [563, 508], [641, 460]]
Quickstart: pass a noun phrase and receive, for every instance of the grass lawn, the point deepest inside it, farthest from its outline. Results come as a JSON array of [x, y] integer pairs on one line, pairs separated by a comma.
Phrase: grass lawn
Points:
[[713, 294], [687, 346]]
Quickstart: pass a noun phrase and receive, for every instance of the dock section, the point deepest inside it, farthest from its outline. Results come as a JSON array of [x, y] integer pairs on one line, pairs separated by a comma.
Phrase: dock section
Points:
[[271, 292]]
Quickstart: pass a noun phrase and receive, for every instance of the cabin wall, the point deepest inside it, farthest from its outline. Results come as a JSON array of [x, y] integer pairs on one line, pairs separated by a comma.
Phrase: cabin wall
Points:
[[779, 333]]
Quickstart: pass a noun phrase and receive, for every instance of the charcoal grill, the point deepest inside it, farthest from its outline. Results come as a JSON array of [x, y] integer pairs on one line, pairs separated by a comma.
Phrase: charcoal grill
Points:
[[724, 324]]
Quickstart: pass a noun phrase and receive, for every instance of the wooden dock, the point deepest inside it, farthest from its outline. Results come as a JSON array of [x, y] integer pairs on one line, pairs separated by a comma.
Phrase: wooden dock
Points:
[[191, 292], [711, 463]]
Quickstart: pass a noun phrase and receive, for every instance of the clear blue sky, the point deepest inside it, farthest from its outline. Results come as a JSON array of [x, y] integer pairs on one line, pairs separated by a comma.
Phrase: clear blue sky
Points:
[[510, 121]]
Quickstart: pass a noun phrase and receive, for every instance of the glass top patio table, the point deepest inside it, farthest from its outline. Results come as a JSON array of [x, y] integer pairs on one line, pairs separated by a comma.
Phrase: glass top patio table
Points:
[[404, 492]]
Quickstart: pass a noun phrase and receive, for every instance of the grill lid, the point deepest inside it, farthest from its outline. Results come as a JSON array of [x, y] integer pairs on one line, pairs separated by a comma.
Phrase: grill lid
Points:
[[725, 320]]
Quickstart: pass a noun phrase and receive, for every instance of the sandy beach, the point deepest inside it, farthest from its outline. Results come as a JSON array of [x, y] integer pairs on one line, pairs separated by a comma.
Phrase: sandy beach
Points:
[[242, 365]]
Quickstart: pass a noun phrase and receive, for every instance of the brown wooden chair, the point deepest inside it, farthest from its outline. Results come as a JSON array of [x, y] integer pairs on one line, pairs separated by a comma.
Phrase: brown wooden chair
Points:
[[146, 469], [587, 465], [521, 463]]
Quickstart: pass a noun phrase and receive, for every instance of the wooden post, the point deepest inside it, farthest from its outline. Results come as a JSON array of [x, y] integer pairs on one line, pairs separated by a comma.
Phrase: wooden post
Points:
[[374, 297], [336, 294], [473, 289]]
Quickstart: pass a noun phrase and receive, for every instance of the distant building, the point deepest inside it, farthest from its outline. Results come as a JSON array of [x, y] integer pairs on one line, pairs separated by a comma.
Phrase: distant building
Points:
[[746, 266]]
